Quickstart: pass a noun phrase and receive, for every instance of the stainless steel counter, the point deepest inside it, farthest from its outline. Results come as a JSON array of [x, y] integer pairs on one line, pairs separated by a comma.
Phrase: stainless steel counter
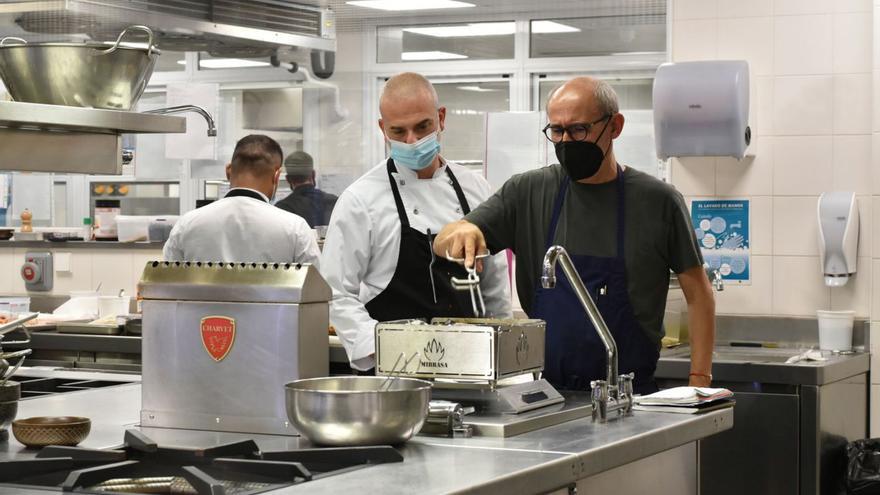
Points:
[[67, 245], [748, 364], [536, 462]]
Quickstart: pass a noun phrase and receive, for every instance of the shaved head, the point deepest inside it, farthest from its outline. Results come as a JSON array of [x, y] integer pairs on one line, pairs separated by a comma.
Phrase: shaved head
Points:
[[596, 95], [408, 87]]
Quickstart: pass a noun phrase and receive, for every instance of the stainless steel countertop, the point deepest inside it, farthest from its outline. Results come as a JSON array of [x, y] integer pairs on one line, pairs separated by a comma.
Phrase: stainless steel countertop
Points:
[[765, 365], [67, 245], [539, 461]]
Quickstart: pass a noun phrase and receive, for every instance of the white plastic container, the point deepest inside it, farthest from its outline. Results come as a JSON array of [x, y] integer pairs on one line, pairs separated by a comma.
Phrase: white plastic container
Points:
[[835, 330], [113, 305], [84, 302], [15, 305]]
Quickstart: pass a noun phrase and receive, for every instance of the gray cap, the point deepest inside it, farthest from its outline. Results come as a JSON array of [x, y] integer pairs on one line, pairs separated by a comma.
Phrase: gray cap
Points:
[[299, 163]]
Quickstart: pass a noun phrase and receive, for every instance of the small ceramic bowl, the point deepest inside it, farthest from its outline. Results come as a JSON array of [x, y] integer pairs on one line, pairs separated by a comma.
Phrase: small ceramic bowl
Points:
[[51, 430], [6, 234]]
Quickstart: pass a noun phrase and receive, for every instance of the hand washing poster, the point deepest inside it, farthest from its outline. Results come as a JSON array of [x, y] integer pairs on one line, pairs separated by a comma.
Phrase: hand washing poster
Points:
[[722, 228]]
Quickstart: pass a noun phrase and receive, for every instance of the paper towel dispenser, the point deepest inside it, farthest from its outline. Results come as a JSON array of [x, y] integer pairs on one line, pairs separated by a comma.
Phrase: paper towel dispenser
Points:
[[702, 109]]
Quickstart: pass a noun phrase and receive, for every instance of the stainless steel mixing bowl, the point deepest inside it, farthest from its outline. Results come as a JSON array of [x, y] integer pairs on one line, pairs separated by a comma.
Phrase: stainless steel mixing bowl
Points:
[[351, 410], [94, 75]]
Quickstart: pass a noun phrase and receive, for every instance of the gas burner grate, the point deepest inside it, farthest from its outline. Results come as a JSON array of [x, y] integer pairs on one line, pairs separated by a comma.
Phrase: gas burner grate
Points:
[[142, 466]]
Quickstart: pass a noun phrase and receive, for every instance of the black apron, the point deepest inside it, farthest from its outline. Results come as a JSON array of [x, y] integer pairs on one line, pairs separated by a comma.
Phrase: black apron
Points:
[[247, 193], [409, 294], [574, 354]]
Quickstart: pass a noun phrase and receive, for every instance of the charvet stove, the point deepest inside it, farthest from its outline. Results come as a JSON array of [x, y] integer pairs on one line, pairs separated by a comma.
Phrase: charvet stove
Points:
[[142, 466]]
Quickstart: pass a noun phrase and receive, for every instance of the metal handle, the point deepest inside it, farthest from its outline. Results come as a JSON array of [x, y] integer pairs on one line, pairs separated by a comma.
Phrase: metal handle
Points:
[[12, 325], [151, 48], [22, 354], [16, 38]]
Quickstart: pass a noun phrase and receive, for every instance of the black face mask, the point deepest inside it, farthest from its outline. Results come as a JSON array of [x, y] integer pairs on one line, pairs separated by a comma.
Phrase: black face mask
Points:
[[581, 159]]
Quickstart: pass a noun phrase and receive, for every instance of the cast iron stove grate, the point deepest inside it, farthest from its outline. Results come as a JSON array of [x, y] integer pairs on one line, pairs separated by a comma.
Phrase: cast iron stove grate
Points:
[[141, 466]]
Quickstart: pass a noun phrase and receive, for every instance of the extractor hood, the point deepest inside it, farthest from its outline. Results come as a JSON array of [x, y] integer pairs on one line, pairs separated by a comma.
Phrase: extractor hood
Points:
[[224, 28]]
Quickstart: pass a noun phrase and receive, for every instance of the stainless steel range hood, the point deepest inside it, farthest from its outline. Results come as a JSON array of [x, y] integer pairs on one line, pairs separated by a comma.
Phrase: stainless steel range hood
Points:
[[228, 28]]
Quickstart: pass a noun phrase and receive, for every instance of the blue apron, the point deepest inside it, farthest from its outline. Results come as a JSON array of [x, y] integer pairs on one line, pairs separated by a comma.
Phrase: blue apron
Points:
[[574, 353]]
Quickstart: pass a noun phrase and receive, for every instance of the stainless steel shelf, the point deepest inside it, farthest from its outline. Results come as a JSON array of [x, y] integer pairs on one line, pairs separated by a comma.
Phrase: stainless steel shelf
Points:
[[61, 118]]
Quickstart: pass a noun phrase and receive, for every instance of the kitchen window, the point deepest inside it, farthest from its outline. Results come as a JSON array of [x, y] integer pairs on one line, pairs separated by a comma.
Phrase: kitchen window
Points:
[[598, 36], [439, 42]]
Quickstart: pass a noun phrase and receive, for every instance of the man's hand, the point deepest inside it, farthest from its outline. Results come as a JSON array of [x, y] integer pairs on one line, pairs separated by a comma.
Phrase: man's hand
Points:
[[461, 239]]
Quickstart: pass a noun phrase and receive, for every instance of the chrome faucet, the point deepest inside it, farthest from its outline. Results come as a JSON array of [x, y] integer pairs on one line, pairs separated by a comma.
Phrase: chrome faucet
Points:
[[615, 393], [212, 129], [715, 277]]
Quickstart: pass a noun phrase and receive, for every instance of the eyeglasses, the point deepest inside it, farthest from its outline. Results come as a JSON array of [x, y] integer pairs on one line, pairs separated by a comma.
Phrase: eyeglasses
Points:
[[577, 132]]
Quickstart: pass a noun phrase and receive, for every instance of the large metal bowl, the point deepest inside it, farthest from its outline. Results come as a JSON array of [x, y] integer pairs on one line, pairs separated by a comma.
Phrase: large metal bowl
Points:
[[351, 410], [94, 75]]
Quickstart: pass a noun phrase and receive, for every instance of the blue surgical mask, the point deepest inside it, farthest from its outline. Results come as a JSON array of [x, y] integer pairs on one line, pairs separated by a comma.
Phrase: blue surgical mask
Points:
[[418, 155]]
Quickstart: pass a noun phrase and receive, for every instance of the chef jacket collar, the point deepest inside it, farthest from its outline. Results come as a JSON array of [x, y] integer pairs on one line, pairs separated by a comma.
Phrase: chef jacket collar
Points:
[[265, 198], [405, 173]]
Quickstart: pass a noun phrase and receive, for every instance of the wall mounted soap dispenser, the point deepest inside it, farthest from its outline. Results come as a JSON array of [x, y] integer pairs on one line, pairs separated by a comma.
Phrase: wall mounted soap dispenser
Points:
[[838, 236]]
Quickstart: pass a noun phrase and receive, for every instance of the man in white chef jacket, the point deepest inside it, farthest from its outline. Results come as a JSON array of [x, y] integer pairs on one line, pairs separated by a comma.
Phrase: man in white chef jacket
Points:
[[377, 255], [243, 226]]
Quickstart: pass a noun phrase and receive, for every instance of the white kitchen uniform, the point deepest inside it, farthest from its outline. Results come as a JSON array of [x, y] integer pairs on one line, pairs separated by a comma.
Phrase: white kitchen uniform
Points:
[[363, 239], [242, 227]]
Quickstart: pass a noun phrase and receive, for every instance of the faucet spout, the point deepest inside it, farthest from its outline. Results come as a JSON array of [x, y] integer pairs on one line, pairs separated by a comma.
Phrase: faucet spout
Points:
[[548, 281], [212, 129], [715, 278]]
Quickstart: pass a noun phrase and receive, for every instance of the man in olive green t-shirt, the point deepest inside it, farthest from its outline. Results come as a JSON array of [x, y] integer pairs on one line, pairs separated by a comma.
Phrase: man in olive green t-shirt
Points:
[[625, 231]]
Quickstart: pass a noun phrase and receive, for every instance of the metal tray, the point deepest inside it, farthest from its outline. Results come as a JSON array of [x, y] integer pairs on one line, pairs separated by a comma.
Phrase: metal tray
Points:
[[89, 328]]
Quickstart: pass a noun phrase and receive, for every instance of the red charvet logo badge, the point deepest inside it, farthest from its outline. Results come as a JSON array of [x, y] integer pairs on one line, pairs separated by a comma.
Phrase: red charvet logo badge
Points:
[[218, 334]]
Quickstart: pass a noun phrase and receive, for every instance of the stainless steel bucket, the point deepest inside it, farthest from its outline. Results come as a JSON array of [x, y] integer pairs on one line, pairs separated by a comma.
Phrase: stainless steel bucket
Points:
[[109, 75], [352, 410]]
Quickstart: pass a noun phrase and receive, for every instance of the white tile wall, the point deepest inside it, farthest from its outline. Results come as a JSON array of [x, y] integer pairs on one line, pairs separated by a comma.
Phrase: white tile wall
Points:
[[851, 165], [876, 91], [750, 176], [761, 225], [694, 176], [852, 103], [789, 7], [852, 5], [875, 225], [875, 161], [875, 294], [744, 8], [754, 299], [802, 45], [802, 105], [850, 53], [757, 48], [795, 227], [694, 40], [116, 269], [856, 294], [798, 287], [763, 116], [80, 275], [866, 224], [802, 165], [695, 9]]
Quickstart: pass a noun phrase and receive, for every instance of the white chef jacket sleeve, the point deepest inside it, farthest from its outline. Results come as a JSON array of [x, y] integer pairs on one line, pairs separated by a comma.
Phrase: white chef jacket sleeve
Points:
[[345, 260], [305, 244], [173, 251], [495, 286]]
